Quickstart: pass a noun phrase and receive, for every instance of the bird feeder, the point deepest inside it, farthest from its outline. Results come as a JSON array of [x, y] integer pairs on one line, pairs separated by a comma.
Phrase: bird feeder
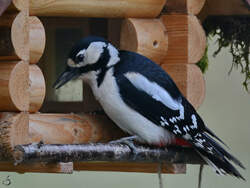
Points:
[[35, 36]]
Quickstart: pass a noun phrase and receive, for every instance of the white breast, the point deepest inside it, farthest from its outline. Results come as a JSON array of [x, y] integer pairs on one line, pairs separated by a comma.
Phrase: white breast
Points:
[[125, 117]]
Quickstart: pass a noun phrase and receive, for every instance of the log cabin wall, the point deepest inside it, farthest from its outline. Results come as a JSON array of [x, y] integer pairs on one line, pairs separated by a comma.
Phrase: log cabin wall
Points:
[[170, 34]]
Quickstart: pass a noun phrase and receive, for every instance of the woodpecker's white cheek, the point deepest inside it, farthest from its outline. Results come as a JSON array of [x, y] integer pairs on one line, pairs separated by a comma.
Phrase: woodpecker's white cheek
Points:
[[94, 52]]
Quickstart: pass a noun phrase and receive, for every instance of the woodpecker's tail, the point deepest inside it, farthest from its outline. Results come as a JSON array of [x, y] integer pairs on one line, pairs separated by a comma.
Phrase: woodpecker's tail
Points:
[[216, 156]]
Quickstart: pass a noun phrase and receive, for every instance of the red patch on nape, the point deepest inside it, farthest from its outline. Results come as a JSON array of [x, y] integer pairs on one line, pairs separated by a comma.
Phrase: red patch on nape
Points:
[[181, 142]]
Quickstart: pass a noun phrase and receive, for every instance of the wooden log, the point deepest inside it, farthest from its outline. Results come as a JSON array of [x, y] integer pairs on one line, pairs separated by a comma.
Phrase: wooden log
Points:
[[13, 131], [97, 8], [184, 6], [225, 8], [14, 86], [166, 168], [72, 129], [145, 36], [37, 88], [36, 39], [189, 80], [65, 168], [19, 5], [186, 39], [14, 36]]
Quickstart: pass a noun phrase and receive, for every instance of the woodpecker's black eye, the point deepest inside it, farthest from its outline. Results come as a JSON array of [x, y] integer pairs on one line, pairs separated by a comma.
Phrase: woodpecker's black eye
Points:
[[79, 58]]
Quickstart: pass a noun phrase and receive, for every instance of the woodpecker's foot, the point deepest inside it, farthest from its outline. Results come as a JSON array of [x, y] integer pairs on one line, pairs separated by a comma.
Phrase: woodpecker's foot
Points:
[[129, 141]]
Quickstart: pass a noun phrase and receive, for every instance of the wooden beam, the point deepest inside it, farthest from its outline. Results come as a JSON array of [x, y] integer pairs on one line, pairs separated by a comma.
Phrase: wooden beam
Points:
[[14, 86], [184, 6], [145, 36], [166, 168], [65, 168], [37, 88], [224, 8], [72, 128], [37, 39], [189, 80], [13, 131], [186, 39], [97, 8]]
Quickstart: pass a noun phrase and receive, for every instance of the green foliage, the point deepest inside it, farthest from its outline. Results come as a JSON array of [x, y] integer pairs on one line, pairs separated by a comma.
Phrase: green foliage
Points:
[[203, 63], [232, 32]]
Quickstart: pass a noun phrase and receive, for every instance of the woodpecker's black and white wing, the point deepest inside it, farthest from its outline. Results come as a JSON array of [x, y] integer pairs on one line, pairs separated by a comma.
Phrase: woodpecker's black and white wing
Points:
[[149, 90]]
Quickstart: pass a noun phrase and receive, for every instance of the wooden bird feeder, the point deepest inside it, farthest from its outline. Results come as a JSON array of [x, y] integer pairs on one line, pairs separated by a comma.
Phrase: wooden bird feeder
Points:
[[35, 36]]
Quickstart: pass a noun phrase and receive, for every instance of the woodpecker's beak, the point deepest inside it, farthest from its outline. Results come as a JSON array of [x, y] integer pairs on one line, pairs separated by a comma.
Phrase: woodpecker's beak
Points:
[[66, 76]]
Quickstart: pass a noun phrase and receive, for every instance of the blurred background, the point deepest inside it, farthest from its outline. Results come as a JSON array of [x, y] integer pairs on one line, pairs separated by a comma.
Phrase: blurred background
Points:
[[226, 110]]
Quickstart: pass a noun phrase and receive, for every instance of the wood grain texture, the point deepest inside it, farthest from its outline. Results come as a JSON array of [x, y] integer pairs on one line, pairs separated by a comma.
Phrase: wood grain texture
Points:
[[37, 88], [13, 131], [20, 35], [72, 128], [189, 80], [184, 6], [37, 39], [65, 168], [21, 5], [14, 86], [186, 39], [145, 36], [97, 8], [130, 167]]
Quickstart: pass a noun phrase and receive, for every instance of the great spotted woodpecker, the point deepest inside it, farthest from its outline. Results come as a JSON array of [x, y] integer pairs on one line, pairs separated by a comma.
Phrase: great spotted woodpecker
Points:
[[142, 99]]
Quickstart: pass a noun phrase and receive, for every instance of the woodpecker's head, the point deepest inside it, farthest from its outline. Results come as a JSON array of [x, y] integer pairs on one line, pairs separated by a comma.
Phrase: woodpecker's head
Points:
[[91, 55]]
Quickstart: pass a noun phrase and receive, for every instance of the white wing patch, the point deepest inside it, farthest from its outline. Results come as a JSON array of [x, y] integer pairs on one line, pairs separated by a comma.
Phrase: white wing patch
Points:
[[156, 91]]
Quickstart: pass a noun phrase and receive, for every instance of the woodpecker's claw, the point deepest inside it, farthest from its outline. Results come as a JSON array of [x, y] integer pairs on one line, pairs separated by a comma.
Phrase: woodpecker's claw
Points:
[[129, 141]]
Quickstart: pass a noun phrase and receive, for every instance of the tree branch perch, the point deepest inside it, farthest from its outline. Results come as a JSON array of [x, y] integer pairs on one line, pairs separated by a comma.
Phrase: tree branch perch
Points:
[[103, 152]]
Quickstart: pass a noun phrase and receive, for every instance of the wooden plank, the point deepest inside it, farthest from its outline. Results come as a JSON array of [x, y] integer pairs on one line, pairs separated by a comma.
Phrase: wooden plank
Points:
[[97, 8], [166, 168], [65, 168]]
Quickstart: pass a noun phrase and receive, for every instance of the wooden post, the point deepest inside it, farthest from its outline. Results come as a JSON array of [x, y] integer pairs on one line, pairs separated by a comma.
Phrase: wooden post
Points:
[[13, 131], [37, 88], [14, 85], [14, 40], [145, 36], [97, 8], [186, 39], [72, 129], [36, 39]]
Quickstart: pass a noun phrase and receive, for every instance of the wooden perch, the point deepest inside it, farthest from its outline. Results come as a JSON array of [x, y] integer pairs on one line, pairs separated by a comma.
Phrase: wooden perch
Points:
[[102, 152], [184, 6], [97, 8], [186, 39], [37, 88], [13, 131], [14, 86], [145, 36], [189, 80], [145, 167], [14, 36], [72, 128], [36, 39]]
